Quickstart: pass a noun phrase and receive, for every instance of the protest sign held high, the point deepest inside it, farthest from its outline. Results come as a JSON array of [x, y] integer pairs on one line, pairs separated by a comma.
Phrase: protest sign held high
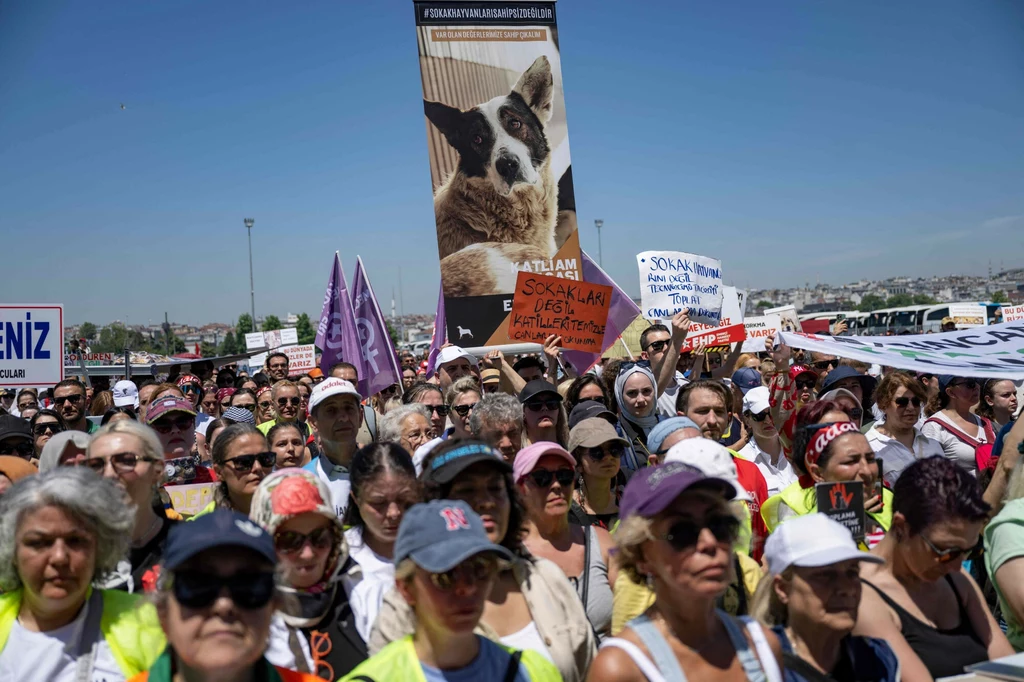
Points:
[[31, 344], [758, 329], [503, 192], [545, 306], [673, 280]]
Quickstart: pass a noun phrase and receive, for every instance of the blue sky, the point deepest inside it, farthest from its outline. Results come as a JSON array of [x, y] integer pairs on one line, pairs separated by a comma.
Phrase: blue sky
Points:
[[794, 140]]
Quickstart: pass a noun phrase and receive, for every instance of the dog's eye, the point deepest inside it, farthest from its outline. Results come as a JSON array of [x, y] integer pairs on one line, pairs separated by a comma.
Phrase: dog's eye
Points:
[[477, 139], [515, 123]]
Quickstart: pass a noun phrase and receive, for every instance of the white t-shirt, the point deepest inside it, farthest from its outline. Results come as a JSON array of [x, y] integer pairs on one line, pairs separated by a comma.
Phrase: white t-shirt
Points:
[[777, 478], [336, 478], [367, 585], [667, 400], [896, 456], [51, 656], [954, 448]]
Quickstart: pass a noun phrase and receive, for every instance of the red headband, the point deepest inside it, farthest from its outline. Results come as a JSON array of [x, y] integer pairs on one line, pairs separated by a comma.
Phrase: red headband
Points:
[[261, 391], [824, 437], [225, 393], [189, 379]]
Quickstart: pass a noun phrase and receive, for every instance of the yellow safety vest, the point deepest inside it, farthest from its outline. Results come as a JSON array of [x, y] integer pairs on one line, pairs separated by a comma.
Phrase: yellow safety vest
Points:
[[804, 501]]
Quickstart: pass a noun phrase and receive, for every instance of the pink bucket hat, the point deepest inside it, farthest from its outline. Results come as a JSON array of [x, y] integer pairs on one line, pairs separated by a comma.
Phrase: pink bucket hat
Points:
[[527, 458]]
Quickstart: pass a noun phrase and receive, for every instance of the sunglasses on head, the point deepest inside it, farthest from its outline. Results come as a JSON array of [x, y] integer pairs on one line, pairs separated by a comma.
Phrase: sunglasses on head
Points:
[[46, 427], [442, 410], [550, 405], [472, 571], [166, 425], [292, 542], [123, 462], [195, 590], [658, 346], [600, 452], [284, 402], [683, 534], [73, 399], [544, 477], [903, 401], [244, 463], [23, 450], [463, 410], [760, 416]]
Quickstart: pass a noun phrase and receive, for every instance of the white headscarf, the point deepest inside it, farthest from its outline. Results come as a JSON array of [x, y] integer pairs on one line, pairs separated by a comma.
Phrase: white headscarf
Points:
[[647, 421]]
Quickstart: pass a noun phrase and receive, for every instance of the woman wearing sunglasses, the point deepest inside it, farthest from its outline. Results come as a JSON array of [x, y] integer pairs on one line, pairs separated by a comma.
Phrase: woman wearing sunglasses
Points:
[[445, 567], [810, 599], [287, 402], [462, 396], [677, 533], [920, 601], [431, 396], [896, 440], [598, 448], [246, 399], [828, 447], [56, 542], [531, 605], [45, 424], [636, 394], [384, 486], [289, 445], [544, 417], [545, 474], [129, 455], [294, 507], [215, 600], [960, 432], [241, 460]]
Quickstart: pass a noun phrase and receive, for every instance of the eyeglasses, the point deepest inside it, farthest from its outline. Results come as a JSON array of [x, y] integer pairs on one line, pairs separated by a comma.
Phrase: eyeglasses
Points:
[[123, 462], [825, 364], [29, 406], [472, 571], [73, 399], [442, 410], [195, 590], [166, 425], [599, 453], [544, 477], [42, 428], [463, 410], [806, 384], [944, 556], [760, 416], [658, 346], [292, 542], [279, 365], [243, 464], [549, 405], [903, 401], [285, 402], [684, 533], [189, 388], [969, 383], [23, 450]]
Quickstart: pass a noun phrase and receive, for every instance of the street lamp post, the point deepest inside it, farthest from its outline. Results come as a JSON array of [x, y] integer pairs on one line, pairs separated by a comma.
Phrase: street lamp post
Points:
[[598, 223], [252, 292]]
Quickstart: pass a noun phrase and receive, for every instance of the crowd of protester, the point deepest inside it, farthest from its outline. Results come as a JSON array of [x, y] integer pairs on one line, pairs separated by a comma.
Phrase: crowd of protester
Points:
[[512, 519]]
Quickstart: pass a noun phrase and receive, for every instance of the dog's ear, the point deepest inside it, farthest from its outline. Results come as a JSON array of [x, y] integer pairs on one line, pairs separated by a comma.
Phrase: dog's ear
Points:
[[537, 87], [446, 118]]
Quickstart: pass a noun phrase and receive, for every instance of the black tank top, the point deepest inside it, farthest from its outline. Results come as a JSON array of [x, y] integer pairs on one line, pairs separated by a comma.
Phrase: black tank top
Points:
[[944, 652]]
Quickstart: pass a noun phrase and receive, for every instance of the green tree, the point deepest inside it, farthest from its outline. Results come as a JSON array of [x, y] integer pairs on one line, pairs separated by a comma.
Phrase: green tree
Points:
[[271, 322], [116, 337], [871, 302], [244, 325], [304, 329], [765, 304], [899, 301], [87, 331], [924, 299], [1000, 297], [392, 333], [207, 350], [228, 346]]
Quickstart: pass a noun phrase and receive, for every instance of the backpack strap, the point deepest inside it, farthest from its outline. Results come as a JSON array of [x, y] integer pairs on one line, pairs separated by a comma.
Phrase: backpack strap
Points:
[[513, 666], [973, 442]]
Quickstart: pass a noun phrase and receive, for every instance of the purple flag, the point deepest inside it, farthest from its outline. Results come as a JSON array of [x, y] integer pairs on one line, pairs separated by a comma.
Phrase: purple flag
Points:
[[439, 336], [378, 366], [621, 314], [336, 334]]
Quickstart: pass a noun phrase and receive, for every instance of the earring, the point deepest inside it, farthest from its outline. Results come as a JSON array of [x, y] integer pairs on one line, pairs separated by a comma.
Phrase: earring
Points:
[[650, 581]]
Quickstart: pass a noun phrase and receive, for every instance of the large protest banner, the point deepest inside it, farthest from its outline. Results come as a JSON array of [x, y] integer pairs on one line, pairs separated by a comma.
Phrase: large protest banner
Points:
[[673, 280], [499, 156], [548, 306], [992, 351], [31, 345]]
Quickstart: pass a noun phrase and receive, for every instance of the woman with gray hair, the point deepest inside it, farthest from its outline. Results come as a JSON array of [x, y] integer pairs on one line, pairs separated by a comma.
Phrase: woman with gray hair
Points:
[[55, 542], [408, 425], [129, 455]]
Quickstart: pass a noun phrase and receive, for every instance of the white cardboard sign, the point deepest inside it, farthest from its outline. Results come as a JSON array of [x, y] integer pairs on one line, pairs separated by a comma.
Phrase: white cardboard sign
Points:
[[673, 280], [31, 345], [758, 329], [1013, 313]]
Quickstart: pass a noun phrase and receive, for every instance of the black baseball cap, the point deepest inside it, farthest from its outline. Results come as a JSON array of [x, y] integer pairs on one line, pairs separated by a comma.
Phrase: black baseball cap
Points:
[[444, 467], [588, 409], [14, 427], [537, 387], [220, 528]]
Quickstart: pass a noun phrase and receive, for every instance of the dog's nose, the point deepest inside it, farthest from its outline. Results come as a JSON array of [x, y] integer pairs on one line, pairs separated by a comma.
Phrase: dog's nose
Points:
[[508, 168]]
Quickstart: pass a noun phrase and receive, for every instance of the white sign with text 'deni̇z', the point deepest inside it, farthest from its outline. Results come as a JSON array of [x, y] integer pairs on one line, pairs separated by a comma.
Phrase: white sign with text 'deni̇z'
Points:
[[31, 345], [673, 280]]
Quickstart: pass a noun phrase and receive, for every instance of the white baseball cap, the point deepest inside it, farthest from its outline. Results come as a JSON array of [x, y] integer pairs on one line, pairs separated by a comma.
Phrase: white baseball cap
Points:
[[712, 459], [330, 387], [756, 400], [125, 394], [809, 541], [450, 353]]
